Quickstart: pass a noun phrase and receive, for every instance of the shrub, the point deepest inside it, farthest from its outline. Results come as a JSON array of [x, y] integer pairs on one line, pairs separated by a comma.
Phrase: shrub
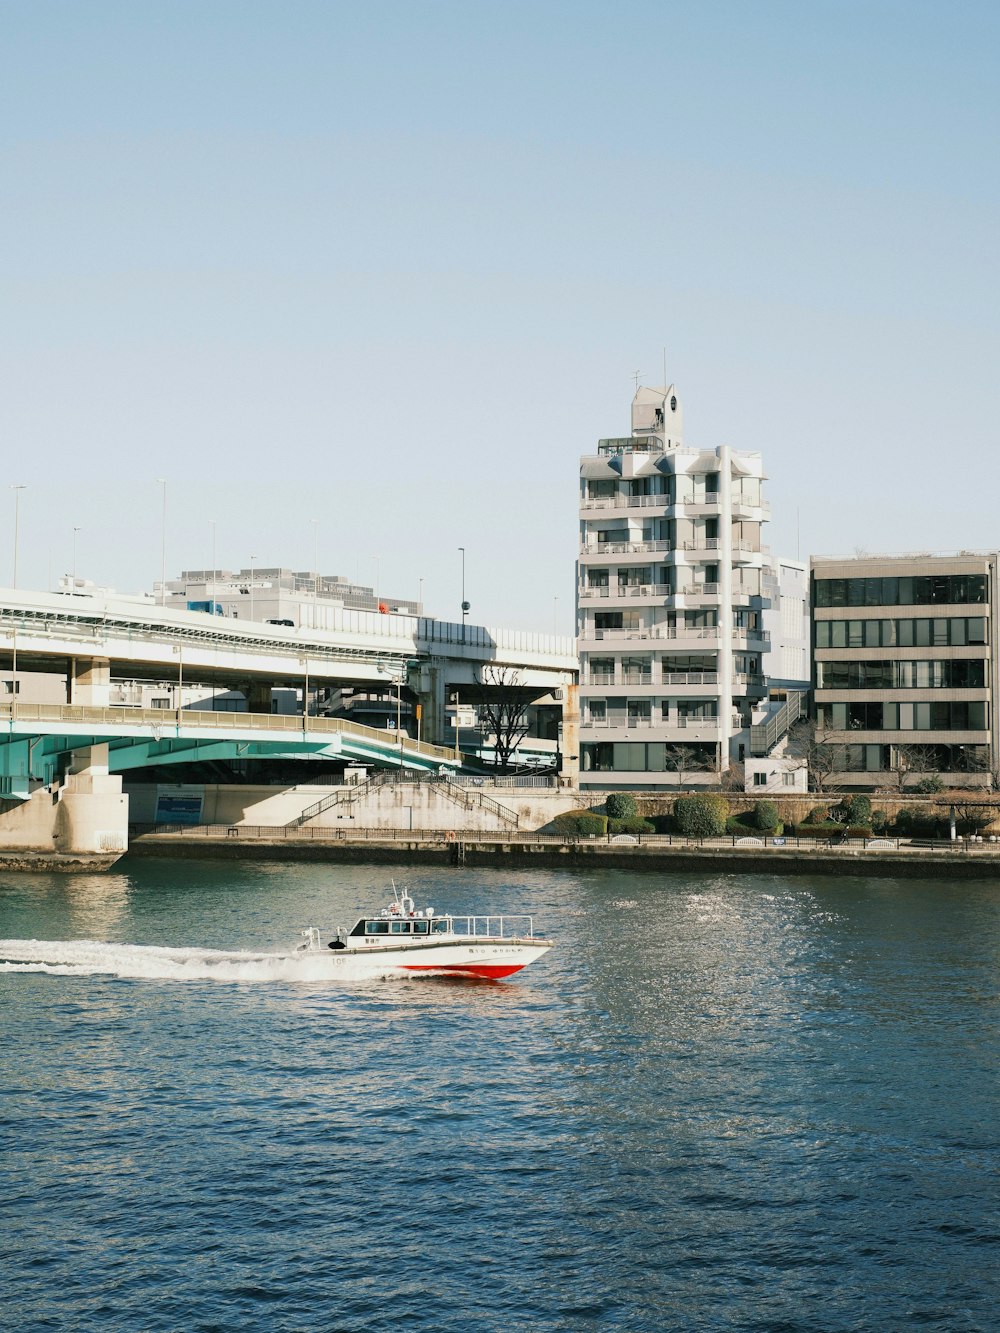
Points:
[[828, 829], [817, 815], [930, 784], [580, 822], [765, 817], [634, 825], [919, 822], [701, 816], [880, 821], [621, 805], [664, 824], [861, 810]]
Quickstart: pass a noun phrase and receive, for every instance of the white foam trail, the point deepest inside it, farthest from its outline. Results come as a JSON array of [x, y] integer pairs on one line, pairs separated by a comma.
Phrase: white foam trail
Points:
[[152, 963]]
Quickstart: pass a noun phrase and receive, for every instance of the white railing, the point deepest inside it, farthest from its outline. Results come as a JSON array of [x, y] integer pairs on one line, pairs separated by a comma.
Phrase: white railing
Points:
[[699, 590], [702, 544], [628, 502], [668, 632], [492, 927], [626, 548], [691, 678]]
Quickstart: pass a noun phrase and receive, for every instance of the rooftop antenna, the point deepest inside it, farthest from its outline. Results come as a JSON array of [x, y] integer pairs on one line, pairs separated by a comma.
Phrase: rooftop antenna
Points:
[[635, 376]]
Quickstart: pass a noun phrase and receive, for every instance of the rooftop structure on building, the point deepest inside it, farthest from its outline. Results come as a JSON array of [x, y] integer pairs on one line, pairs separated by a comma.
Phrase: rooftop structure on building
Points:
[[674, 582], [278, 595], [905, 678]]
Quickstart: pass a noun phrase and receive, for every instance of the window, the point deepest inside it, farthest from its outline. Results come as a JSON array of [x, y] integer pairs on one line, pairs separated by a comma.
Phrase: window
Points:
[[760, 779], [376, 927], [787, 778], [607, 620], [158, 701], [922, 590], [598, 710]]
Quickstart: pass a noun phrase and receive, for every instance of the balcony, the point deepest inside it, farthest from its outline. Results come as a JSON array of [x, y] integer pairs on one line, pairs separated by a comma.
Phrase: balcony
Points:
[[624, 548], [757, 637], [699, 590], [626, 502], [684, 634], [628, 444], [702, 544], [624, 635], [691, 678]]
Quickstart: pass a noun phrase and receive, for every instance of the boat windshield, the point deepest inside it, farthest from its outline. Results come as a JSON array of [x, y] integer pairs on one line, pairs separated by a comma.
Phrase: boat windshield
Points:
[[402, 926]]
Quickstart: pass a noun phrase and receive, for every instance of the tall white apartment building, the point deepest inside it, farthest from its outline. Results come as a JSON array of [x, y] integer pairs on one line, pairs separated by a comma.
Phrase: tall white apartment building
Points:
[[670, 603]]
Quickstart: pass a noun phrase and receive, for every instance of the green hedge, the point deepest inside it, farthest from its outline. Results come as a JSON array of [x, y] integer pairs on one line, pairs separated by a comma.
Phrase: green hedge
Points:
[[745, 826], [636, 824], [701, 816], [581, 823]]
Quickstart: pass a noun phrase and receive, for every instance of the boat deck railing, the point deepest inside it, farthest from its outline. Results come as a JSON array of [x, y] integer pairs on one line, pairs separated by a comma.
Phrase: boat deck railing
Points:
[[496, 927]]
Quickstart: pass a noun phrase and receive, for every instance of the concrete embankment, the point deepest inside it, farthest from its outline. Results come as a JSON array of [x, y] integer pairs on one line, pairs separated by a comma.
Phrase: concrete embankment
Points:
[[655, 855]]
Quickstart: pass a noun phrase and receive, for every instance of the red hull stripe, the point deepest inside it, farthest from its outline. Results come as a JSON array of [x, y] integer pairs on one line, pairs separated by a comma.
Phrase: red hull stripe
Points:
[[495, 970]]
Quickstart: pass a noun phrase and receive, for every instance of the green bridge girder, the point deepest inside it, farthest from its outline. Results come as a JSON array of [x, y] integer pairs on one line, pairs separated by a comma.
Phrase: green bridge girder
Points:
[[28, 759]]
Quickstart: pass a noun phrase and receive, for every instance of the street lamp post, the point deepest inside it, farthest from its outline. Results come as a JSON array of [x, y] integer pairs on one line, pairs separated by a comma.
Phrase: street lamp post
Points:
[[162, 481], [17, 527], [17, 535], [75, 531], [212, 525], [465, 604]]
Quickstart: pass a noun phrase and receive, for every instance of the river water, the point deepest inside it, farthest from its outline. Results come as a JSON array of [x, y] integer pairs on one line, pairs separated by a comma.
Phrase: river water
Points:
[[720, 1103]]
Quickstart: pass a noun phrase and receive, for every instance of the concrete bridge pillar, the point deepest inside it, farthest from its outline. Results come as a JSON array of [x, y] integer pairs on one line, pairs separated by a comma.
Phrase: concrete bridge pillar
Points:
[[92, 814], [569, 737], [89, 680], [258, 694], [428, 683]]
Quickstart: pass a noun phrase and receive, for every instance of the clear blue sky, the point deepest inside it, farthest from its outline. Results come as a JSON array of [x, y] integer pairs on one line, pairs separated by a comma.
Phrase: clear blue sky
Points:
[[392, 266]]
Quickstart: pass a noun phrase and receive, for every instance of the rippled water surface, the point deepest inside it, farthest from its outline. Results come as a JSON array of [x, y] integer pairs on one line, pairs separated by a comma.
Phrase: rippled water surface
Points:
[[719, 1103]]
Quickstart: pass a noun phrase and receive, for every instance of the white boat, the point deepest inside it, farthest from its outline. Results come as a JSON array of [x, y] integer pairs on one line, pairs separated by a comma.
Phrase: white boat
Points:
[[403, 938]]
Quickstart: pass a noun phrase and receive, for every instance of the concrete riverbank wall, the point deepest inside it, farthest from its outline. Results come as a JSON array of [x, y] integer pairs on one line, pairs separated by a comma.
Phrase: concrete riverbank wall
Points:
[[880, 857], [409, 806]]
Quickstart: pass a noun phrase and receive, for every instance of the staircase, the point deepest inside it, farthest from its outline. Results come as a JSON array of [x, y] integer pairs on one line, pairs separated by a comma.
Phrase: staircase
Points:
[[469, 801], [345, 795], [476, 800]]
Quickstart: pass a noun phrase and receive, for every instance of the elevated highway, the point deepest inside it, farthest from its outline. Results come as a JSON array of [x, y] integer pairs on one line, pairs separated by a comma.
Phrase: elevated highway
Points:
[[82, 642]]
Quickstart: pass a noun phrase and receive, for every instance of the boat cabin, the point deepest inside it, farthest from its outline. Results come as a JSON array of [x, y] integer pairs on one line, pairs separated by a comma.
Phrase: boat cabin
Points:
[[376, 928]]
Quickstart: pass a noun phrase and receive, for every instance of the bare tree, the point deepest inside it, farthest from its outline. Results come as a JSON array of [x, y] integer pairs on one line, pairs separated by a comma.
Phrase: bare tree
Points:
[[823, 760], [503, 710], [913, 764], [683, 760]]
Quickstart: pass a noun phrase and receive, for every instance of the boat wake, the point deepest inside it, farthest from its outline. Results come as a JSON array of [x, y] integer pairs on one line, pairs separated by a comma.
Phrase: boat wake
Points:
[[146, 962]]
